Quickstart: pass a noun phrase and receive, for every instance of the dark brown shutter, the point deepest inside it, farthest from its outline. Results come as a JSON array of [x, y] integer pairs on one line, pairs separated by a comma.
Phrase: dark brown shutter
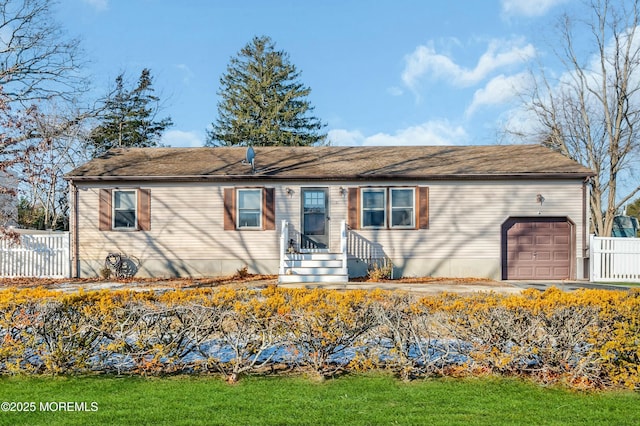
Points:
[[144, 209], [104, 210], [268, 209], [229, 209], [423, 207], [353, 208]]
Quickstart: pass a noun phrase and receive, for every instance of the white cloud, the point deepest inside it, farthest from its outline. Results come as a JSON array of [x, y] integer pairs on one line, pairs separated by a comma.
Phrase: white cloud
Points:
[[528, 8], [344, 137], [99, 5], [437, 132], [395, 91], [561, 96], [426, 62], [179, 138], [499, 90], [186, 72]]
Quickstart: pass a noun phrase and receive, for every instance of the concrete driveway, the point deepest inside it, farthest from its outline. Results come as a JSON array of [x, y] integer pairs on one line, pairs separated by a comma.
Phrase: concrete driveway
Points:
[[464, 287], [565, 285]]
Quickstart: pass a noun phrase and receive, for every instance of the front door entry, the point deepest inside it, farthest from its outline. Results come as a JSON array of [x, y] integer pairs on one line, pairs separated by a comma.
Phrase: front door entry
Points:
[[315, 219]]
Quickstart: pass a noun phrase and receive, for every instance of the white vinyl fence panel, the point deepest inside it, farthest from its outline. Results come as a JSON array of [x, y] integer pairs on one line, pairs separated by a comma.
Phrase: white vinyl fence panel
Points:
[[615, 259], [42, 255]]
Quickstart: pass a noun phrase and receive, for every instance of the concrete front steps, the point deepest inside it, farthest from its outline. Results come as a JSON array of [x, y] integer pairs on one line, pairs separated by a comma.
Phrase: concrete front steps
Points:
[[313, 268]]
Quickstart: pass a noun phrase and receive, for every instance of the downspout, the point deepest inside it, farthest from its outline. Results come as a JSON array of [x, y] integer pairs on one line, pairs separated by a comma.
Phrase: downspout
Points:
[[73, 228]]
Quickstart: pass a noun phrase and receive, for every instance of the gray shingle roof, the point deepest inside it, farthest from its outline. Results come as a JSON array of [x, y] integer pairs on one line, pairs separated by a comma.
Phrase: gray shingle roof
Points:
[[340, 163]]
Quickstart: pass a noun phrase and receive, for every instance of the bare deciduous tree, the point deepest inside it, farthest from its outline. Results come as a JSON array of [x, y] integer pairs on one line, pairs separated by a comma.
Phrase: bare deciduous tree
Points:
[[18, 145], [39, 69], [590, 112], [45, 190], [37, 60]]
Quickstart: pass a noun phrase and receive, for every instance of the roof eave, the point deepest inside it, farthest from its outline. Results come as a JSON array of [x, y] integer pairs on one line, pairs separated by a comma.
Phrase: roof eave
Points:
[[357, 177]]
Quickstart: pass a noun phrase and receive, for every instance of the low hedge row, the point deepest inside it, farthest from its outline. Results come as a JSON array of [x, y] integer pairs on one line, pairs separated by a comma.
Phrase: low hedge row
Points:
[[587, 338]]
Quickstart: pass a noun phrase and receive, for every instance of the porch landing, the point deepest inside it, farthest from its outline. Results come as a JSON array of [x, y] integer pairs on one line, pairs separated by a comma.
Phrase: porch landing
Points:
[[314, 267]]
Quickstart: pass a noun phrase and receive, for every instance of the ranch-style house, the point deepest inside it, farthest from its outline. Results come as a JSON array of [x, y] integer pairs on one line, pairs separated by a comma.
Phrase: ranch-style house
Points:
[[510, 212]]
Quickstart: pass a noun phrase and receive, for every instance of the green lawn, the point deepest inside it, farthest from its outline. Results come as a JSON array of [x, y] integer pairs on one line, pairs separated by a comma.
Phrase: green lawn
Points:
[[356, 400], [622, 284]]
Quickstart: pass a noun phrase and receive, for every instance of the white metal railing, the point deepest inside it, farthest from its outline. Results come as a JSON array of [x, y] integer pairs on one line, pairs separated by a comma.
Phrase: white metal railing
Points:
[[287, 244], [343, 243], [284, 245], [615, 259], [37, 254], [364, 250]]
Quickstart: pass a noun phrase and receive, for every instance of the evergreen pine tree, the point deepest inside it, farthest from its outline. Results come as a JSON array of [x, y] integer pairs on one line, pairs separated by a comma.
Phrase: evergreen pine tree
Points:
[[129, 117], [262, 102]]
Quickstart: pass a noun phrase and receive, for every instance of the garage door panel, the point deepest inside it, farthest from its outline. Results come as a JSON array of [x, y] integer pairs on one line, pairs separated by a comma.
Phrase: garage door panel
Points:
[[521, 271], [525, 240], [537, 248], [542, 272], [542, 240], [562, 272], [543, 256]]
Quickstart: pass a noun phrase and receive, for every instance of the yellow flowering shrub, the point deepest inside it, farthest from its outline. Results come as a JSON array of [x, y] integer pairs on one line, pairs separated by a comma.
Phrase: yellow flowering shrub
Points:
[[585, 338]]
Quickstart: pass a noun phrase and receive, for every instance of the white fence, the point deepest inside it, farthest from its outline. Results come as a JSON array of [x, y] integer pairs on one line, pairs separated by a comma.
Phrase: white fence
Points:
[[38, 254], [615, 259]]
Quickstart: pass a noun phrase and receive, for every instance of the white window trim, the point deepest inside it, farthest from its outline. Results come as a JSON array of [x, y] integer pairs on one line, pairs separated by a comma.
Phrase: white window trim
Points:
[[260, 214], [113, 210], [413, 208], [384, 208]]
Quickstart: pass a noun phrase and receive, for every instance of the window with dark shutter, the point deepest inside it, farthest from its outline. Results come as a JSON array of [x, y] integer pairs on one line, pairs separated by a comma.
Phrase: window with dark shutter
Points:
[[249, 208], [124, 209], [104, 210], [423, 207], [388, 208], [229, 209], [353, 208], [269, 219], [144, 209]]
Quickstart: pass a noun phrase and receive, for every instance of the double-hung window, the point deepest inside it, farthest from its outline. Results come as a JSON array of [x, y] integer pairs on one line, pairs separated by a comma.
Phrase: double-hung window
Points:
[[249, 208], [374, 212], [125, 215], [388, 208], [124, 209], [392, 207], [402, 207]]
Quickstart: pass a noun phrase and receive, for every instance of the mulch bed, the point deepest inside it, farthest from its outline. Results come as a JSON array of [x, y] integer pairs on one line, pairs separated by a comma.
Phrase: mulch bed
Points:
[[139, 282], [246, 281]]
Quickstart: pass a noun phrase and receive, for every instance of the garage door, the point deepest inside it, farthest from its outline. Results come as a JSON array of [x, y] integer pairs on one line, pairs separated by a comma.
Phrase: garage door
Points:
[[537, 249]]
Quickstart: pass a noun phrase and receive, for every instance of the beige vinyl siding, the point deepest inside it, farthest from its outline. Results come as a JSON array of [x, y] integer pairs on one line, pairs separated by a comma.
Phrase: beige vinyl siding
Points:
[[465, 219], [186, 224], [288, 207]]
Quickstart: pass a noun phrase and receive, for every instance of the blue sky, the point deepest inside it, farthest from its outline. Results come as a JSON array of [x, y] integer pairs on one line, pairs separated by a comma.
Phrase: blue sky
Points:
[[382, 72]]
